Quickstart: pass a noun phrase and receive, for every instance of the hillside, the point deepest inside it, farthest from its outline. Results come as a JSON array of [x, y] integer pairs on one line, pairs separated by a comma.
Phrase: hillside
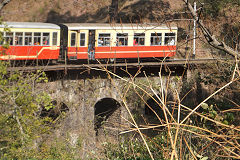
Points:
[[221, 17], [51, 11], [84, 10]]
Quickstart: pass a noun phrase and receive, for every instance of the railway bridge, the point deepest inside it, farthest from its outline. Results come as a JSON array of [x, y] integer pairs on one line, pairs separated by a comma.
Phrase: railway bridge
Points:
[[97, 98]]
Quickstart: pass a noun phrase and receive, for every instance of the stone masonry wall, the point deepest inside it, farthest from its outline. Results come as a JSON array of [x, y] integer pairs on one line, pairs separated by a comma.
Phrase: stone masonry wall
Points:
[[82, 95]]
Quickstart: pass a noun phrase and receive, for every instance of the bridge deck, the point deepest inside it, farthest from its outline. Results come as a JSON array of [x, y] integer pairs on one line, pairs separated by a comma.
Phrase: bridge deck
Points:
[[179, 62]]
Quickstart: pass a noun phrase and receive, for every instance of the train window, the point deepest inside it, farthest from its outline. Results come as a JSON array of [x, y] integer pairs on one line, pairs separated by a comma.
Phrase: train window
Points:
[[104, 39], [139, 39], [82, 39], [122, 39], [156, 39], [169, 39], [28, 38], [73, 39], [9, 38], [46, 37], [37, 38], [19, 38], [54, 38]]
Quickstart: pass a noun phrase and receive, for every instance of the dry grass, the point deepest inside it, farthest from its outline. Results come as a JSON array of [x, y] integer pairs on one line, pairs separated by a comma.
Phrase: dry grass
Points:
[[221, 140]]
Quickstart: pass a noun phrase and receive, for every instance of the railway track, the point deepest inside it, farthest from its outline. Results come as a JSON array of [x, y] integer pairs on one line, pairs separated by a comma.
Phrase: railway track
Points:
[[173, 62]]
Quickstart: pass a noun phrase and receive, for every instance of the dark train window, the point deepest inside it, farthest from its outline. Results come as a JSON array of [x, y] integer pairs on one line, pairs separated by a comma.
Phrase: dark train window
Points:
[[139, 39], [54, 38], [82, 39], [9, 38], [19, 38], [156, 39], [28, 38], [46, 37], [122, 39], [169, 39], [1, 38], [37, 39], [73, 39], [104, 39]]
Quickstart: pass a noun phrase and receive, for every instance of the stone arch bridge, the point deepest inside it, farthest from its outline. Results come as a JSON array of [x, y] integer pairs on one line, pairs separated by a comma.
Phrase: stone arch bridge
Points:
[[95, 100]]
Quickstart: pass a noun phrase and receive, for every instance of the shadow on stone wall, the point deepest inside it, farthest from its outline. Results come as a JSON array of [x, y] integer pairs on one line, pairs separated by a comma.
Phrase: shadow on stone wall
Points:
[[120, 71], [152, 106]]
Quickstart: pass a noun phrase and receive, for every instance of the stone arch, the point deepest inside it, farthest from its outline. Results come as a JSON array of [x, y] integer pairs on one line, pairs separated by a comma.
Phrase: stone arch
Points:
[[106, 116]]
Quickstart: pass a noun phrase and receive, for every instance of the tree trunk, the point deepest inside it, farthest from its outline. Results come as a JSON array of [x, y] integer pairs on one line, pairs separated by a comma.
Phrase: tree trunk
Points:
[[211, 39]]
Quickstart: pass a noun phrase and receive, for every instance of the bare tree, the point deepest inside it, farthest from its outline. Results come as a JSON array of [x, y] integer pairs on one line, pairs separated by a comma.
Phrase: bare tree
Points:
[[211, 39], [3, 3]]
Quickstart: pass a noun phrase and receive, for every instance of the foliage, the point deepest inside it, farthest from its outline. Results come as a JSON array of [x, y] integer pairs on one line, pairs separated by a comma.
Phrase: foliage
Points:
[[215, 74], [133, 148], [5, 45], [213, 8], [20, 104], [58, 149], [212, 112], [230, 33]]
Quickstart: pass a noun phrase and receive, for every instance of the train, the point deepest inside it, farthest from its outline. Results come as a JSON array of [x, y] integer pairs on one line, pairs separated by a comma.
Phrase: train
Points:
[[86, 41]]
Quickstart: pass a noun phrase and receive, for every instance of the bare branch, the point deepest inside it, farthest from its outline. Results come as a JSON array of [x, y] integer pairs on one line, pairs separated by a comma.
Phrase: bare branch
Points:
[[211, 39], [3, 3]]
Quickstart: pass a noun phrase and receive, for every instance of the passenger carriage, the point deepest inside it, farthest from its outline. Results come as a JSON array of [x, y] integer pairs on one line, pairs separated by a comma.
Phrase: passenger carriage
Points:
[[118, 41], [45, 41], [30, 41]]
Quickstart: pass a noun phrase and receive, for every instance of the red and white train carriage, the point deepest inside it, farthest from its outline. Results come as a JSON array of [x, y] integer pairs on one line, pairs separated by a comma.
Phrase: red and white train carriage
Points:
[[30, 41], [121, 40], [42, 41]]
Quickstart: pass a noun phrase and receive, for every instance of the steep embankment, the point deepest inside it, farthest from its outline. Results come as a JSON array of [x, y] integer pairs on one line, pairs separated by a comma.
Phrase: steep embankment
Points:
[[52, 10], [86, 10]]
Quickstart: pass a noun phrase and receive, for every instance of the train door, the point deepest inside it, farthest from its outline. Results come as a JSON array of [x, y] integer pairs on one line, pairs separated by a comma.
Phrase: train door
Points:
[[73, 50], [91, 44], [63, 43]]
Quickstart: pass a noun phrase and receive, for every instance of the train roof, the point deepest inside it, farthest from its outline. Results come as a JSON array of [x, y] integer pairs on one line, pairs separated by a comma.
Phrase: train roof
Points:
[[35, 25], [147, 26], [78, 26]]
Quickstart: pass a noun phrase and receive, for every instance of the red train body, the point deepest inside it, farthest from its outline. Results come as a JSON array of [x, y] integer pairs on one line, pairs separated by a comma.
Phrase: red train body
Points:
[[44, 41]]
